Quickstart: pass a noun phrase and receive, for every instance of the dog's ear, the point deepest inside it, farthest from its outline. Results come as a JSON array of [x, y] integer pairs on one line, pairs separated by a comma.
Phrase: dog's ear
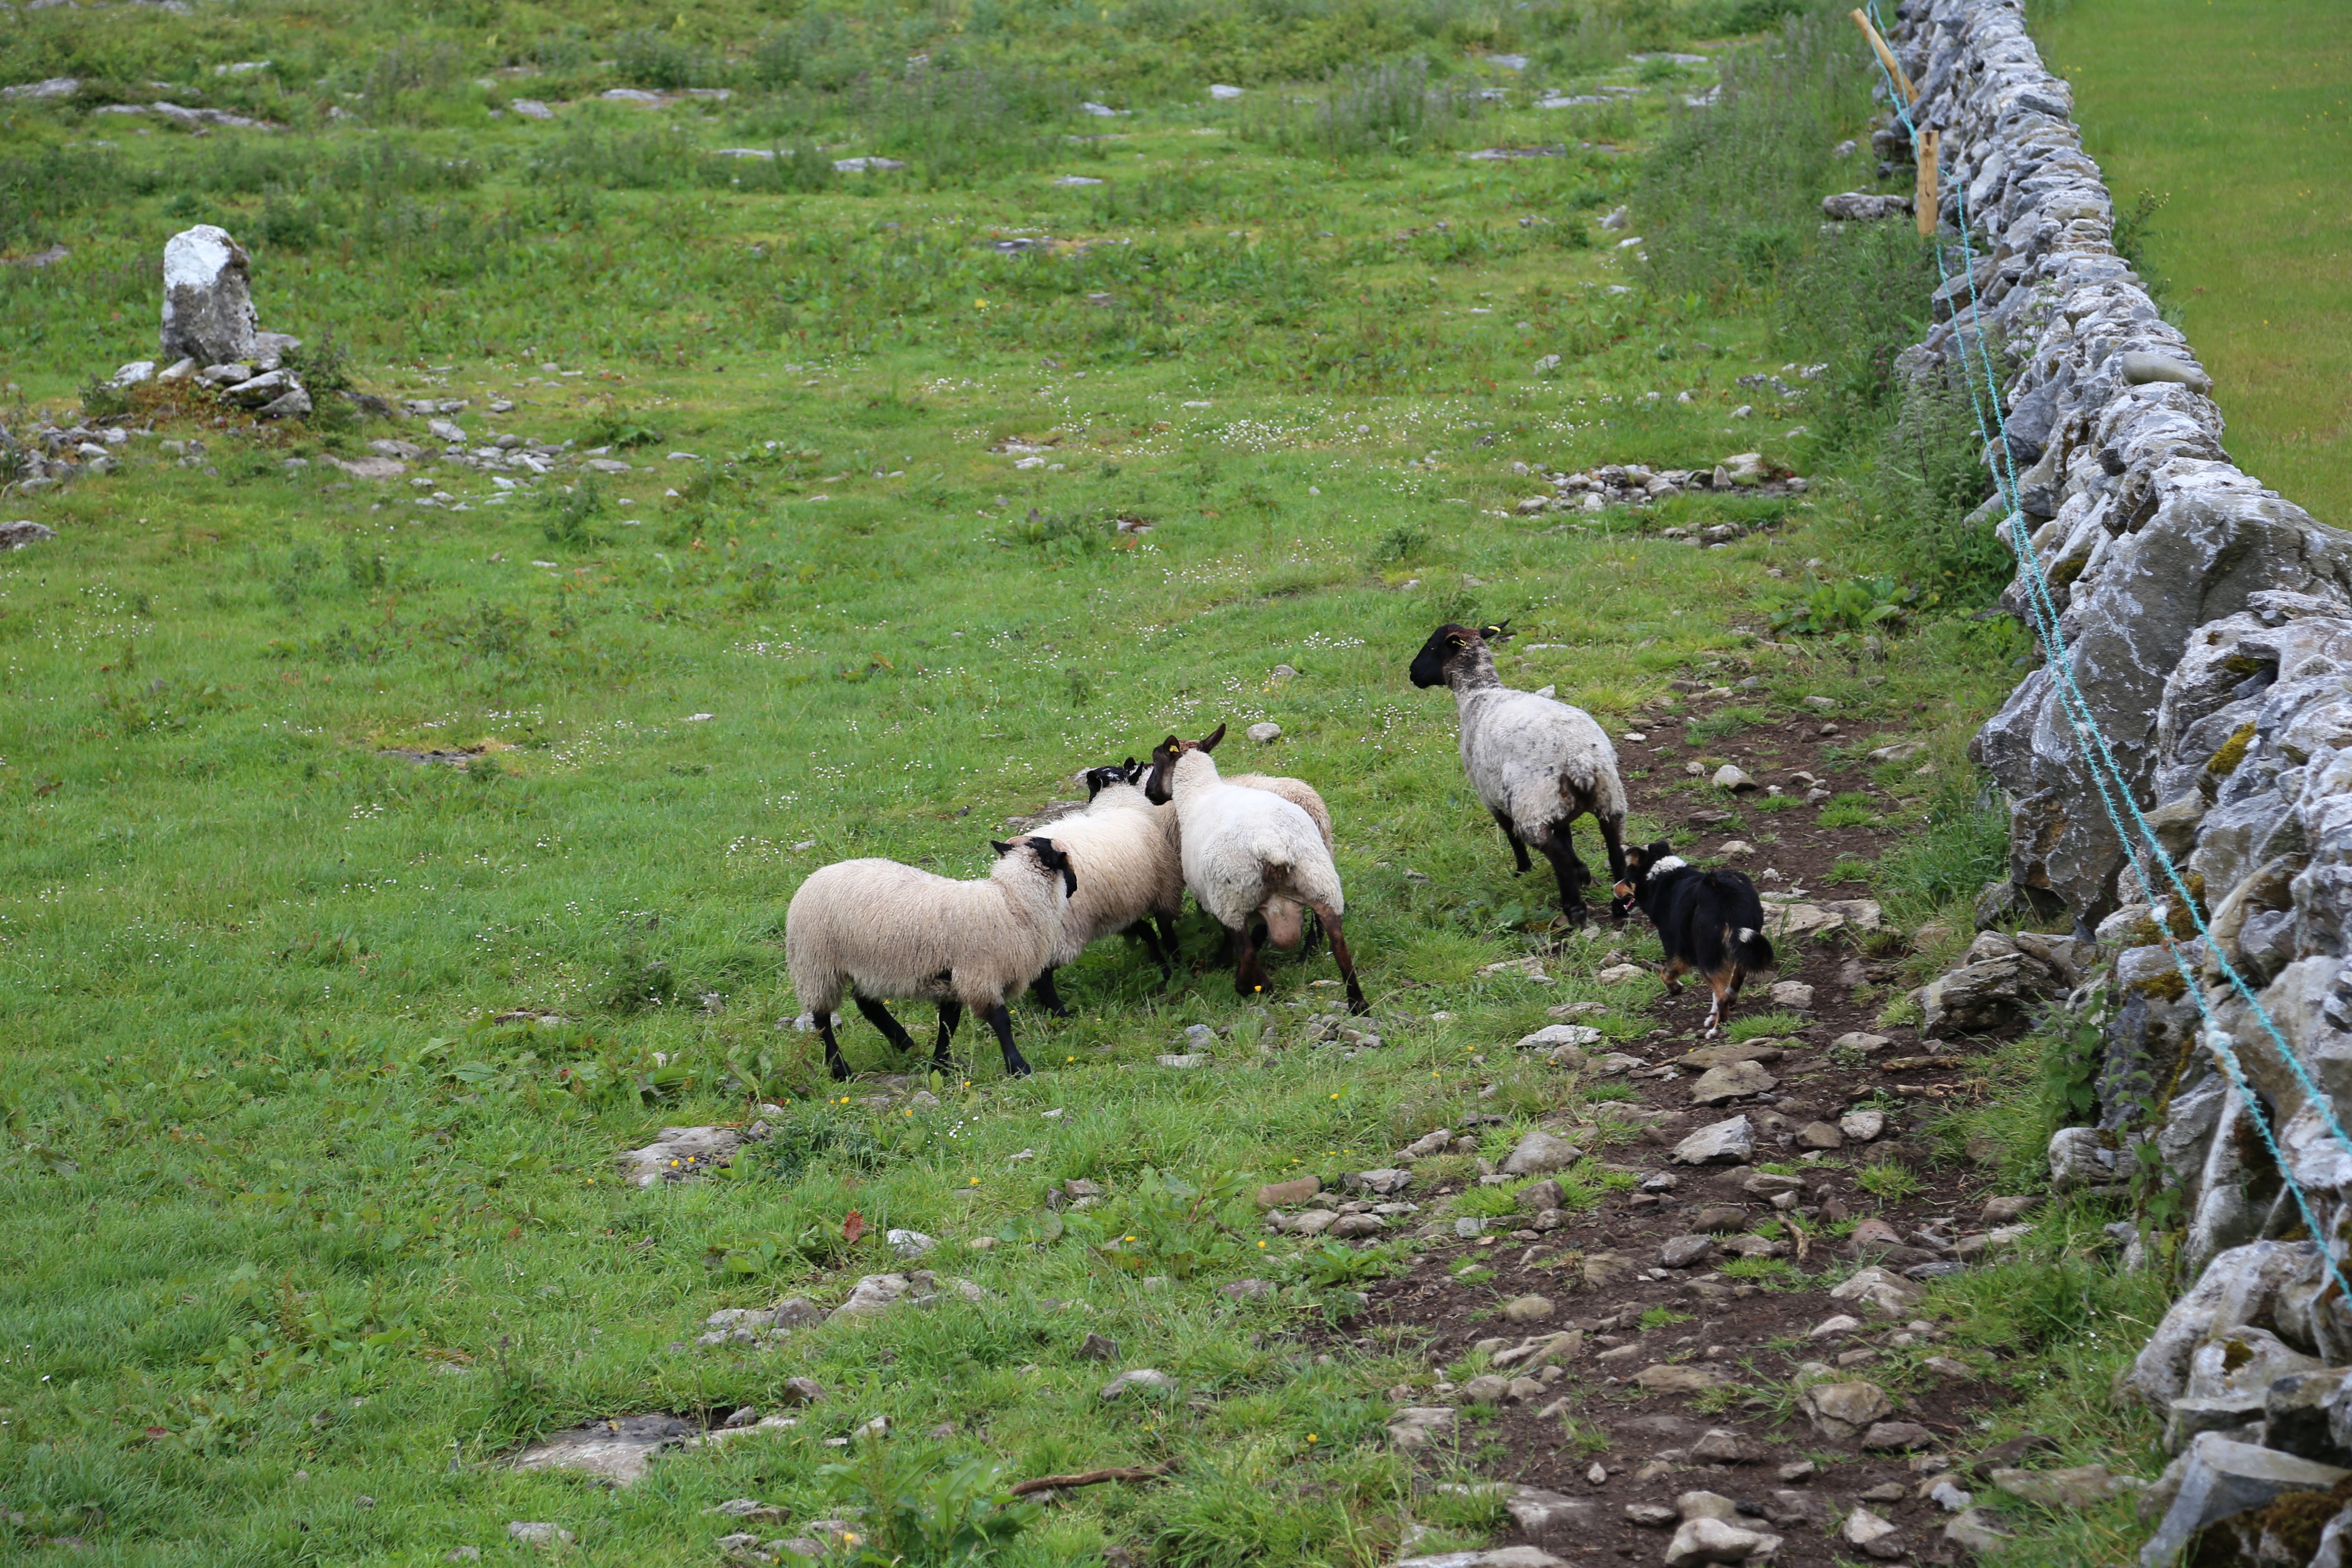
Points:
[[1660, 850]]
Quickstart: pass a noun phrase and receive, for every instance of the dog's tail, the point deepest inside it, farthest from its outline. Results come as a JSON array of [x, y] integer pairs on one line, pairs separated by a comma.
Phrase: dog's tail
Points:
[[1751, 947], [1743, 915]]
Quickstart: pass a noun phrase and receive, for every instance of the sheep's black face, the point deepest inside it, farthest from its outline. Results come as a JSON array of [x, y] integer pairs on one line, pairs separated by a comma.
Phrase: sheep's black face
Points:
[[1444, 644], [1050, 855], [1160, 777]]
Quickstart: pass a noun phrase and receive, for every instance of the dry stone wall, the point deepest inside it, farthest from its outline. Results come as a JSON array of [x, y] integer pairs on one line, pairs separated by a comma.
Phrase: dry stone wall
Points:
[[2210, 622]]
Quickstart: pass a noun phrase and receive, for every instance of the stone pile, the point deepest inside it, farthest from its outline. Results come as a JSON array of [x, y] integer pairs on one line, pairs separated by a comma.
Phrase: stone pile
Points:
[[2210, 624], [211, 339], [1632, 484], [47, 454], [211, 336]]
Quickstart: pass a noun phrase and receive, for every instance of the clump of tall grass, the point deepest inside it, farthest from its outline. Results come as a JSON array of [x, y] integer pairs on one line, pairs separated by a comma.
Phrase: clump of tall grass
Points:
[[955, 125], [1924, 489], [648, 56], [1856, 296], [1388, 107], [411, 82], [1731, 198], [1965, 845], [818, 50]]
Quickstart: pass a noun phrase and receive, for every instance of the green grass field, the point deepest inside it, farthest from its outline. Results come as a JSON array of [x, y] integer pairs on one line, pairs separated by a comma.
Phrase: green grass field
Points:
[[303, 1238], [2251, 248]]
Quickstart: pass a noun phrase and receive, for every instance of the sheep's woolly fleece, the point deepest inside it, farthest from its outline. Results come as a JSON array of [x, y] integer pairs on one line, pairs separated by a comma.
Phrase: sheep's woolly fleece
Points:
[[1249, 852], [1124, 851], [893, 931]]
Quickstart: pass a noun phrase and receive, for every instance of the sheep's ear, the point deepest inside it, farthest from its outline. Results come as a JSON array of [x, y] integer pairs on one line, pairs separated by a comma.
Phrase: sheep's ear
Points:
[[1208, 742], [1455, 639], [999, 849], [1499, 631]]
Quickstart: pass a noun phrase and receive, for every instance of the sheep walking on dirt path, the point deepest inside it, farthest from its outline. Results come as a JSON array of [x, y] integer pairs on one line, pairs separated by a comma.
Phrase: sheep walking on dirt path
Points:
[[1536, 764]]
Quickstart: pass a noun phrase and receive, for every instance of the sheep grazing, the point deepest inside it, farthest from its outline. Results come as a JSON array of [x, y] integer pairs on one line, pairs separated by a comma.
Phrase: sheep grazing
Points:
[[1536, 764], [1123, 849], [882, 931], [1248, 852], [1158, 782]]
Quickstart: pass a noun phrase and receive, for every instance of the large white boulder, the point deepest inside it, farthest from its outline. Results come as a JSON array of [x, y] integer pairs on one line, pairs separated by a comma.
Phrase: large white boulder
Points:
[[207, 297]]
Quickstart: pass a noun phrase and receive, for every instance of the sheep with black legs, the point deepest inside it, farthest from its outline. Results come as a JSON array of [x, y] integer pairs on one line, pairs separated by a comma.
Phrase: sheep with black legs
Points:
[[1537, 764], [1123, 849], [1250, 853], [881, 930]]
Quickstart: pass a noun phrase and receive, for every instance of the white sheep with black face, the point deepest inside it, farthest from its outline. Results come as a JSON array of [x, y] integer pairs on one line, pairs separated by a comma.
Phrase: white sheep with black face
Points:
[[1158, 778], [1536, 764], [1131, 875], [880, 931], [1249, 853]]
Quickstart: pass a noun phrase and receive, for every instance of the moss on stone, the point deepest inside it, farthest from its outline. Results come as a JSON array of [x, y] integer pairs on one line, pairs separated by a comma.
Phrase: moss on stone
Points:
[[2224, 762]]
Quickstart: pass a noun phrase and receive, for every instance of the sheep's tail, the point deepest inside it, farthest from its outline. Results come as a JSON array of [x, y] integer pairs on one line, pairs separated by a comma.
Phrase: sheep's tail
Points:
[[1604, 793], [1284, 907], [1273, 851], [808, 959]]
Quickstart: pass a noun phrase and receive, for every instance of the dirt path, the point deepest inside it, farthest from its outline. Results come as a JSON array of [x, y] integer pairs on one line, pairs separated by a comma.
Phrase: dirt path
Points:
[[1637, 1444]]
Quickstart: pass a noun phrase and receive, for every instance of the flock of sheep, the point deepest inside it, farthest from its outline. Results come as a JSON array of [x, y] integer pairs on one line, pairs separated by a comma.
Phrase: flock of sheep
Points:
[[1255, 851]]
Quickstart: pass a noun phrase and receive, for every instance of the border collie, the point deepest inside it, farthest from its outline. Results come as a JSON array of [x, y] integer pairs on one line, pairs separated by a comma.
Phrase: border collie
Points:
[[1707, 921]]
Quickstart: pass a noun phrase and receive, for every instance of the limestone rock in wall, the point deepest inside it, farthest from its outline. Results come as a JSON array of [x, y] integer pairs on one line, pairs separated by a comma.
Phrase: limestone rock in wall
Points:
[[207, 297], [2202, 554]]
